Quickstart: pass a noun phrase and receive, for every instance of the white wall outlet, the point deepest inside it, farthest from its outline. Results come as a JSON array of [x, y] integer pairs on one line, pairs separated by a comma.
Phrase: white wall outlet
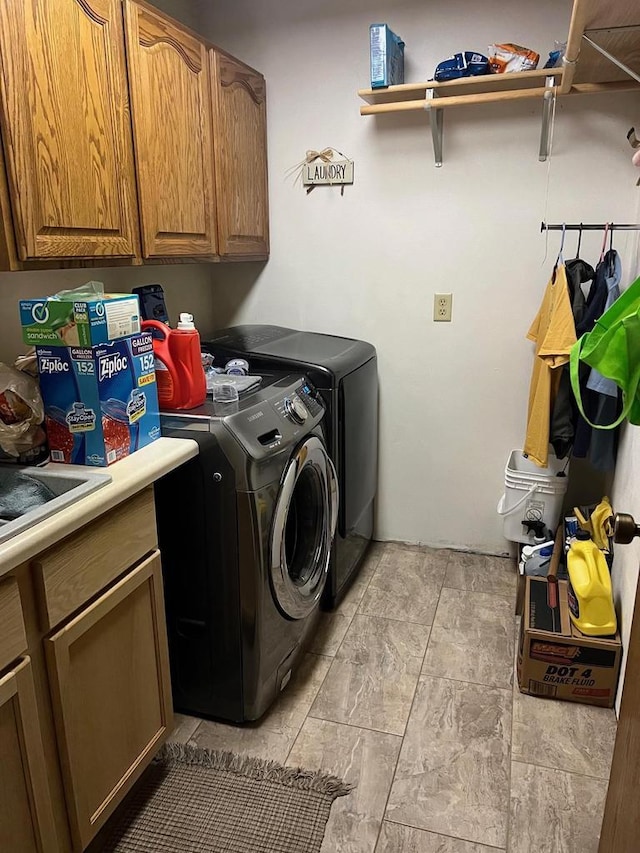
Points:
[[442, 306]]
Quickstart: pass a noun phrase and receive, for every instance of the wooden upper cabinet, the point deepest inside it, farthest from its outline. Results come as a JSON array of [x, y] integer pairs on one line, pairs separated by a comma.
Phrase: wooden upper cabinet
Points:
[[66, 128], [240, 144], [171, 101]]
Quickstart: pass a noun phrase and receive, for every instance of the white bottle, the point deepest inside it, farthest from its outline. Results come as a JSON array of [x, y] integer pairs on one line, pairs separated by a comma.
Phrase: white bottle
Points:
[[529, 550]]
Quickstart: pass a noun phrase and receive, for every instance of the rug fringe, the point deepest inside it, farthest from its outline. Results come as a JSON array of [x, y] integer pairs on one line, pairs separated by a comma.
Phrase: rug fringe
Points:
[[255, 768]]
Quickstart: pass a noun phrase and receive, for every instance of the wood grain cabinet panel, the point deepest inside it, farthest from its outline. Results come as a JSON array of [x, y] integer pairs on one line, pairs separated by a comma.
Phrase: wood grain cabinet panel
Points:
[[66, 128], [13, 637], [240, 145], [82, 565], [109, 677], [170, 93], [26, 816]]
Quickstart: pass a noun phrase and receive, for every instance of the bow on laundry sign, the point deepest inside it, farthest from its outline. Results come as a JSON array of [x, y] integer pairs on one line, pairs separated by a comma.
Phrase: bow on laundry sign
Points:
[[320, 167]]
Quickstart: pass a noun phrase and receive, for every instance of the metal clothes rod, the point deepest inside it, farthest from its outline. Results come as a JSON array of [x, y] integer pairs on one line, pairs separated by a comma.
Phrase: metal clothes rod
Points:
[[613, 226]]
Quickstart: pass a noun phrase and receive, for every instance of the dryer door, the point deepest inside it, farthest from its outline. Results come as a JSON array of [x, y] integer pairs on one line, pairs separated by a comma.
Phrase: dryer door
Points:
[[304, 523]]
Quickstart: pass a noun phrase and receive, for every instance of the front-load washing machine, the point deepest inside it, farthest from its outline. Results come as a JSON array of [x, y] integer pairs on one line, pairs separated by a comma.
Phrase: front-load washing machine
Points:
[[245, 532]]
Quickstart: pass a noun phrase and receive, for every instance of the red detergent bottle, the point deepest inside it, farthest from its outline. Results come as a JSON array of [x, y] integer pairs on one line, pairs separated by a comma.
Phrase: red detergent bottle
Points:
[[179, 373]]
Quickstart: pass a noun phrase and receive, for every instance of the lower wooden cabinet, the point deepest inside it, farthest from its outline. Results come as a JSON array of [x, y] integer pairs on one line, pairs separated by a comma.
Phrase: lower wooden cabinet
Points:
[[109, 679], [26, 817]]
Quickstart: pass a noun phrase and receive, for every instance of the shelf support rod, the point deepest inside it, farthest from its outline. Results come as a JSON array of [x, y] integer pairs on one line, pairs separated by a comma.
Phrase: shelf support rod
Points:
[[547, 111], [612, 58], [436, 119]]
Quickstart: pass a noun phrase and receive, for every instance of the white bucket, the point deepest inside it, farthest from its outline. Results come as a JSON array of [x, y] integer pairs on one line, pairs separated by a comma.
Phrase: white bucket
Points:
[[531, 493]]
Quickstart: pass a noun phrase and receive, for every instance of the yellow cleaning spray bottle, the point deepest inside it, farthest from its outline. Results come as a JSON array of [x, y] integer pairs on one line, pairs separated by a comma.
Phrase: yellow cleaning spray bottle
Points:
[[590, 596]]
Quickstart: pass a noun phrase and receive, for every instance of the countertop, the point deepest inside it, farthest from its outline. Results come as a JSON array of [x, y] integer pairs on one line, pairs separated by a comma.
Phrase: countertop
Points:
[[128, 476]]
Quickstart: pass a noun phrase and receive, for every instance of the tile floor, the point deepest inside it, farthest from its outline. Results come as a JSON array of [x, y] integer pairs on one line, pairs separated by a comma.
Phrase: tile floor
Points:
[[408, 692]]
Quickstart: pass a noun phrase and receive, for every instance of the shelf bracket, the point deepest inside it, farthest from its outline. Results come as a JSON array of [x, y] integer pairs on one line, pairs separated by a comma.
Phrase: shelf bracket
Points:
[[436, 119], [612, 58], [547, 112]]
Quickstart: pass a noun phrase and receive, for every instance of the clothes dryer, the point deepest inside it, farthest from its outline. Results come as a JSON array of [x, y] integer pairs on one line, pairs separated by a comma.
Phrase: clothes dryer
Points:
[[344, 370]]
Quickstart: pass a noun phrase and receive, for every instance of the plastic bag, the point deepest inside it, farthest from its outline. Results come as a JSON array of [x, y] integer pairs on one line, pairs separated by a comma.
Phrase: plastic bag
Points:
[[512, 57], [21, 412]]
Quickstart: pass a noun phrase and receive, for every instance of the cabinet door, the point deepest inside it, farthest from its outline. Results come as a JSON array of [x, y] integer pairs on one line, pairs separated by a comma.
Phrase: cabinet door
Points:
[[240, 144], [66, 129], [111, 692], [26, 817], [170, 95]]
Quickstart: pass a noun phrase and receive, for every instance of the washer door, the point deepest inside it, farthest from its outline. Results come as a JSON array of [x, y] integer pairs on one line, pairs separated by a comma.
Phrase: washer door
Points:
[[303, 527]]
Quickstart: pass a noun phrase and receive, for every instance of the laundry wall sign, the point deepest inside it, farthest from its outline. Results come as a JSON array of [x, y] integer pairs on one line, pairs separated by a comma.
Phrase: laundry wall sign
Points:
[[331, 172]]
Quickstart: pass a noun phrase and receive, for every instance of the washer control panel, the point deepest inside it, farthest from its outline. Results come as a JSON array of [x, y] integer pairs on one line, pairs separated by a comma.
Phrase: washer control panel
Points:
[[263, 422], [295, 410]]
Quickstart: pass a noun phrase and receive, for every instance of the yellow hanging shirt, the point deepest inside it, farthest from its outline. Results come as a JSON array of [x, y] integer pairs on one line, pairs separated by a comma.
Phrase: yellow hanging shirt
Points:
[[554, 333]]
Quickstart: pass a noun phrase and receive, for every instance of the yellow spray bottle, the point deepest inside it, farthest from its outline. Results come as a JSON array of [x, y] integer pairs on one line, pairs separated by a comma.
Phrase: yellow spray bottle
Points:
[[590, 596]]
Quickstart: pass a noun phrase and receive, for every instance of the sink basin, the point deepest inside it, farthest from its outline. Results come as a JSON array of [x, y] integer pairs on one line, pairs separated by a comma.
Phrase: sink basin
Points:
[[66, 487]]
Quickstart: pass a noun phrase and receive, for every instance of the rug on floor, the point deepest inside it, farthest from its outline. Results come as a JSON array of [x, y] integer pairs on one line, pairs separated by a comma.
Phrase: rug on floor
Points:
[[209, 801]]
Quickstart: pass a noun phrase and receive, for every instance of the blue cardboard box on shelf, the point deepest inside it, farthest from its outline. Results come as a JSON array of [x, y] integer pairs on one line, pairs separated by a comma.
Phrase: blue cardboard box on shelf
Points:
[[386, 51], [101, 403]]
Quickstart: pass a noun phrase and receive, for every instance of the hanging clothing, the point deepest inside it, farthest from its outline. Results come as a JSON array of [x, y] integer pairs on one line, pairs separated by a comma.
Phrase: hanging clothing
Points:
[[603, 446], [579, 272], [565, 412], [553, 333], [599, 405], [612, 276]]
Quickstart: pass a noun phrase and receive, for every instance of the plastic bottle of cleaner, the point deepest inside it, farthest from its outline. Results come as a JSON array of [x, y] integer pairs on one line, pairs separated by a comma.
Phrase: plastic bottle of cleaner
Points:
[[538, 564], [590, 597], [179, 372], [528, 551]]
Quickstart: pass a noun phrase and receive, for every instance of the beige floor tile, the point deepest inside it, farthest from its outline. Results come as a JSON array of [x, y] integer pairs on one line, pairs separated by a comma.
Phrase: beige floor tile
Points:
[[330, 632], [184, 728], [554, 812], [273, 735], [563, 735], [349, 604], [358, 695], [249, 739], [482, 573], [390, 644], [363, 758], [406, 585], [395, 838], [373, 678], [472, 638], [453, 773]]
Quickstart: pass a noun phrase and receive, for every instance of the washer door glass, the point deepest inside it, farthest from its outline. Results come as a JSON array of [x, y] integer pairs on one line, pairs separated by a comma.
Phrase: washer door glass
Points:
[[303, 529]]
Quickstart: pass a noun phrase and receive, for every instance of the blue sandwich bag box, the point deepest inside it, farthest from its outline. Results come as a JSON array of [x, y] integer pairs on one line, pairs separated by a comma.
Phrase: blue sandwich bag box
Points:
[[386, 51], [101, 402]]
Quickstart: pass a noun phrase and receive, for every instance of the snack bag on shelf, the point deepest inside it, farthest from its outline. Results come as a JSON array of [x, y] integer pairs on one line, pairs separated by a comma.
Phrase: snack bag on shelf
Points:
[[512, 57]]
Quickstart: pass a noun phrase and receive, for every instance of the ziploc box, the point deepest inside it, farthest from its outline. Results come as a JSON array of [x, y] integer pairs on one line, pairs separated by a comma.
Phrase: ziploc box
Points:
[[387, 56], [84, 322], [101, 403]]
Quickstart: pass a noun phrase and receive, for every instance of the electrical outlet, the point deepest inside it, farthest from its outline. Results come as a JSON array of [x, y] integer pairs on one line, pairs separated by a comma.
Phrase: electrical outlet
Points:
[[442, 305]]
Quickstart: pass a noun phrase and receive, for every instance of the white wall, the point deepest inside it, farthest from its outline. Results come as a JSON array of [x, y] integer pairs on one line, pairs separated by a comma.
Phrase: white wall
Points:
[[453, 397]]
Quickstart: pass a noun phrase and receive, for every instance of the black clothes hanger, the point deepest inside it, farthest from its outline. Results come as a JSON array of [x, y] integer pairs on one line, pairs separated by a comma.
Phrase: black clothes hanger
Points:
[[579, 241]]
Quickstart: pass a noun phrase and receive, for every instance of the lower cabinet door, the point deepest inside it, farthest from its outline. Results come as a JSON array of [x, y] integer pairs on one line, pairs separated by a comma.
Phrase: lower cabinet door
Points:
[[26, 816], [111, 693]]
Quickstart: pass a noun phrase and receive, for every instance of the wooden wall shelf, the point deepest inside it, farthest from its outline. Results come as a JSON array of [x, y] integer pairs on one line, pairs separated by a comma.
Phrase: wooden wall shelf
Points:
[[614, 28]]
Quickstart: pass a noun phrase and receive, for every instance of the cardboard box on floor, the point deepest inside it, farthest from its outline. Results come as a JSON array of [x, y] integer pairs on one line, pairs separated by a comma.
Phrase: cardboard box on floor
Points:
[[557, 661]]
